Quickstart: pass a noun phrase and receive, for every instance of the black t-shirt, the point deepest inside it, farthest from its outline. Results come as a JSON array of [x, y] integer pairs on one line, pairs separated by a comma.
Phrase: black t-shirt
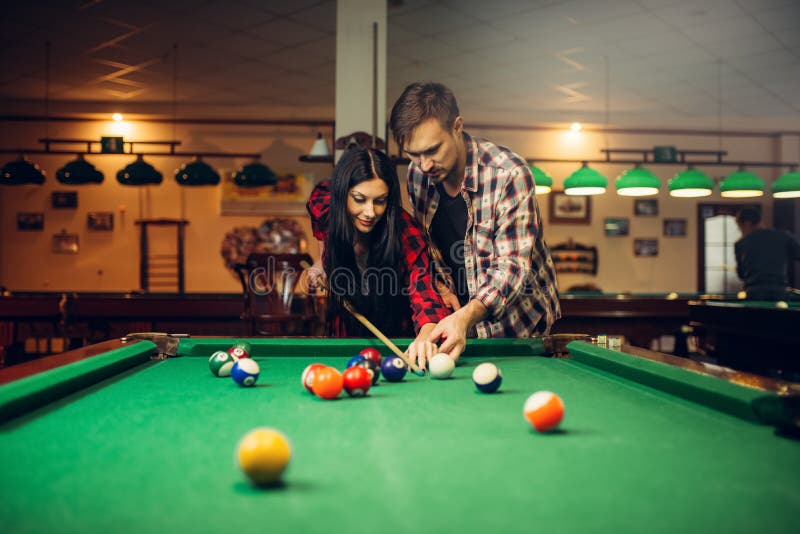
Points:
[[762, 258], [448, 228]]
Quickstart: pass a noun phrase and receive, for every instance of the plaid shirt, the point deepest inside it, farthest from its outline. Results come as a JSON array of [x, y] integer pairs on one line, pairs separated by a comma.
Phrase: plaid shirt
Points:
[[507, 262], [425, 303]]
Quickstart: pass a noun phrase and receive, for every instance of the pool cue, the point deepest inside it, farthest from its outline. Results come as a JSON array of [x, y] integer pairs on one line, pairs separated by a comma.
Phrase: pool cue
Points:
[[380, 335], [372, 328]]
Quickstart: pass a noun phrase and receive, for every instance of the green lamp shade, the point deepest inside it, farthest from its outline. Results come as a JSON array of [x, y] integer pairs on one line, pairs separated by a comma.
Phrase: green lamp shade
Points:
[[255, 175], [741, 184], [585, 181], [544, 184], [198, 172], [21, 172], [139, 173], [637, 182], [690, 183], [79, 172], [787, 186]]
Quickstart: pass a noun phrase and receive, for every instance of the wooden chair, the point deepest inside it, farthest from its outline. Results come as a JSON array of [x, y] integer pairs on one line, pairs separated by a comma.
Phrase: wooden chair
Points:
[[271, 306]]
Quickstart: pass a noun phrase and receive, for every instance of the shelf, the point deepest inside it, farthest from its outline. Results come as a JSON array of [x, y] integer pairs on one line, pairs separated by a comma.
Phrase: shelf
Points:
[[316, 159]]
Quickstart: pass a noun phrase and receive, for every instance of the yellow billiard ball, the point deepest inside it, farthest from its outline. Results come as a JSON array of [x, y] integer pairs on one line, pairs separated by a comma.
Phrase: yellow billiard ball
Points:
[[263, 454], [781, 304]]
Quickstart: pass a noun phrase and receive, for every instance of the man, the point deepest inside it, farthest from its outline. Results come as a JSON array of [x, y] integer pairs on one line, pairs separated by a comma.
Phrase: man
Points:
[[476, 202], [762, 256]]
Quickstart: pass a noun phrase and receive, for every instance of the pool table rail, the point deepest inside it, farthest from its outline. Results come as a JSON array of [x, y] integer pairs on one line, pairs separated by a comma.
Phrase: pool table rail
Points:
[[750, 397]]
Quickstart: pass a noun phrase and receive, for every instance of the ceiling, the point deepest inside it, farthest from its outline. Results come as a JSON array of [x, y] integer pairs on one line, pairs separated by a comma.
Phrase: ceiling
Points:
[[654, 63]]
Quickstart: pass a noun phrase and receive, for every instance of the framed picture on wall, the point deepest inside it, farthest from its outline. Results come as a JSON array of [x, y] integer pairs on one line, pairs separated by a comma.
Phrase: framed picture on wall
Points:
[[64, 199], [28, 221], [64, 243], [286, 196], [617, 226], [102, 221], [674, 227], [568, 209], [645, 247], [645, 207]]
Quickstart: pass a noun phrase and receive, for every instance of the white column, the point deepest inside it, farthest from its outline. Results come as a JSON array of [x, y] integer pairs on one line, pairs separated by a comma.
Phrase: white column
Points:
[[360, 68]]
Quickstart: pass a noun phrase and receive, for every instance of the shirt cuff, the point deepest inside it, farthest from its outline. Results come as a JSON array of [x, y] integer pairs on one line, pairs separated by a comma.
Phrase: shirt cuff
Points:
[[490, 297]]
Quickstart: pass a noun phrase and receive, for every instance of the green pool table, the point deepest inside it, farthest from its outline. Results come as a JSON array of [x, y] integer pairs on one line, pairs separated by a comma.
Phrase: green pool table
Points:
[[116, 441], [640, 317], [750, 335]]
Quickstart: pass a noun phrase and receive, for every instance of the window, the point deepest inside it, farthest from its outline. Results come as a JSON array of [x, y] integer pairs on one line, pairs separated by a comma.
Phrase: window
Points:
[[716, 236]]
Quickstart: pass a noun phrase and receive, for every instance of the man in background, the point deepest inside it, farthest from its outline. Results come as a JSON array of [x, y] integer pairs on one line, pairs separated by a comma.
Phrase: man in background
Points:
[[762, 257]]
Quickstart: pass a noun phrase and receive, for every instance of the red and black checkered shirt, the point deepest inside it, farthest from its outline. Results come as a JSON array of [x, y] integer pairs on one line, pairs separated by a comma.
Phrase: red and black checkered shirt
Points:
[[426, 306], [507, 262]]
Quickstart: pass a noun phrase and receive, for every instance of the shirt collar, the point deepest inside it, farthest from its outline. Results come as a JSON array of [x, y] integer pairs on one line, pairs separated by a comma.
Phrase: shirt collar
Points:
[[471, 167]]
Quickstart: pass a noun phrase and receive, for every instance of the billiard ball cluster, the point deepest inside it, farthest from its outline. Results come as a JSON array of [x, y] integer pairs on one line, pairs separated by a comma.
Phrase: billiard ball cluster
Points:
[[236, 363], [362, 372]]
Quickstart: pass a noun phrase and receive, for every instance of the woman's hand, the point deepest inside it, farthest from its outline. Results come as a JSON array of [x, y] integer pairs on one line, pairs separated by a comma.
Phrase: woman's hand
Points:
[[421, 350], [450, 299], [316, 276]]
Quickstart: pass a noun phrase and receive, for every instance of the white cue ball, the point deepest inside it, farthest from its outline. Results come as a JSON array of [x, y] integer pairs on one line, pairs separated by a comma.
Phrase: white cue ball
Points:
[[781, 304], [441, 365]]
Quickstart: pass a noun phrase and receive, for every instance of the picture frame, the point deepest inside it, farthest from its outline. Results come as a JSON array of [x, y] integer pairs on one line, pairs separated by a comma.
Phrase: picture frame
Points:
[[288, 196], [645, 207], [645, 247], [100, 221], [675, 227], [64, 243], [569, 209], [617, 226], [64, 199], [30, 221]]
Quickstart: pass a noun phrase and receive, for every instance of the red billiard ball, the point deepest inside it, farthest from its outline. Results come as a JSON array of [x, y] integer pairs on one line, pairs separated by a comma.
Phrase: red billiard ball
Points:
[[238, 352], [357, 381], [371, 353], [308, 375]]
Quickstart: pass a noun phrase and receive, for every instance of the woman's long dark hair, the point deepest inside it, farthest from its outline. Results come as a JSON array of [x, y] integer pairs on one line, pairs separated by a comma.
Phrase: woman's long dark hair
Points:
[[379, 295]]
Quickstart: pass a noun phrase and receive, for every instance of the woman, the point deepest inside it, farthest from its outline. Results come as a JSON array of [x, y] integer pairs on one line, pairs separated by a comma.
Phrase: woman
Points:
[[373, 254]]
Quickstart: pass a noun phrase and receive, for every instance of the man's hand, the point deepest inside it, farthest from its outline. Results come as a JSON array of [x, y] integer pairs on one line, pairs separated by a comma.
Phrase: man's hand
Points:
[[421, 350], [451, 332]]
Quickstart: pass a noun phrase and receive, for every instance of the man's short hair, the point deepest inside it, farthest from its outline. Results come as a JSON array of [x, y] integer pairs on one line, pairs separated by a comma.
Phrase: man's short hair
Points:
[[751, 215], [418, 103]]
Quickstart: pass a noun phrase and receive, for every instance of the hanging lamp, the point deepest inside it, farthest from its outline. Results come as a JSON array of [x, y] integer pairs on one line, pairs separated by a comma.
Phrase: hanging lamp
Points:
[[79, 172], [787, 186], [544, 184], [637, 182], [21, 172], [139, 173], [196, 173], [255, 175], [585, 181], [690, 183], [742, 184]]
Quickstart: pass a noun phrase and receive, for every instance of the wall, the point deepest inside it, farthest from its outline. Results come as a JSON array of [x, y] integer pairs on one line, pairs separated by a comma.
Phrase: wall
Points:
[[108, 261]]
